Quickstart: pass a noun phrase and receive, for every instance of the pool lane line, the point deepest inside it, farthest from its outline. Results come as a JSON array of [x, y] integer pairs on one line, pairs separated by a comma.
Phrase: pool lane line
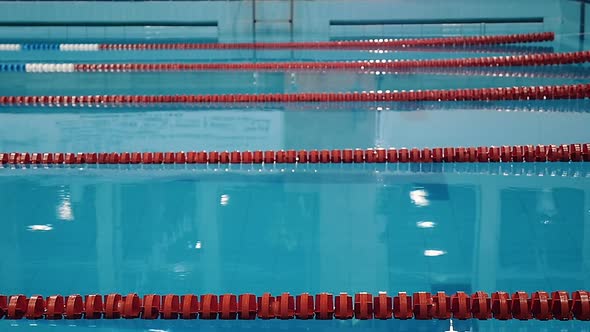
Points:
[[385, 43], [577, 91], [576, 152], [500, 305], [539, 59]]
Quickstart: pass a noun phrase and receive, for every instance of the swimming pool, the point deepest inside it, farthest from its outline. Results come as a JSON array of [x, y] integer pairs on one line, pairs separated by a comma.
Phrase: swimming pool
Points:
[[236, 226]]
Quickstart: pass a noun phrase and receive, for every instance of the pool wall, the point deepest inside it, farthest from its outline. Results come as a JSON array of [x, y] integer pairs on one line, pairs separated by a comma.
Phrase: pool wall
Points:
[[323, 19], [177, 130]]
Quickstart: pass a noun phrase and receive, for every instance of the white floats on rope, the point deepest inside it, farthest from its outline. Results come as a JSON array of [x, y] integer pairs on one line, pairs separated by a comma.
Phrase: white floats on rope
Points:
[[79, 47], [49, 68], [49, 47], [10, 47]]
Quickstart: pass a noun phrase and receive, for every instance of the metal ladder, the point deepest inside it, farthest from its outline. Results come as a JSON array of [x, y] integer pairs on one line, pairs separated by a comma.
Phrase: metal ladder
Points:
[[286, 20]]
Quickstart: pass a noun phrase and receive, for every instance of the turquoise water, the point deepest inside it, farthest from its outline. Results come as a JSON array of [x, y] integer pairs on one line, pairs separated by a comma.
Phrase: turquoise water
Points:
[[195, 229], [296, 228]]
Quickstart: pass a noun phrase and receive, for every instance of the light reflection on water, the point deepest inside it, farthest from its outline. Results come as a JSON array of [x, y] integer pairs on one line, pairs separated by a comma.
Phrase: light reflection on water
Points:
[[304, 231]]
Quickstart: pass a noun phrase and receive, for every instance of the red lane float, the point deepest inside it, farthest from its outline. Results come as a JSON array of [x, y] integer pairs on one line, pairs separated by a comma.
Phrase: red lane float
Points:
[[170, 306], [383, 306], [228, 304], [539, 59], [93, 306], [421, 305], [16, 307], [363, 306], [501, 306], [189, 306], [509, 154], [579, 91], [209, 306], [581, 305], [352, 44], [343, 307], [441, 306], [35, 307], [151, 306], [55, 307], [74, 307], [304, 306], [265, 306], [248, 308]]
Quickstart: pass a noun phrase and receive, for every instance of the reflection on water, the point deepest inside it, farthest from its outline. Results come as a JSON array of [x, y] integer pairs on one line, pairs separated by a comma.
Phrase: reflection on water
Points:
[[350, 228], [294, 126], [425, 224], [238, 232], [64, 209], [224, 200], [40, 228], [433, 252], [419, 197], [298, 325]]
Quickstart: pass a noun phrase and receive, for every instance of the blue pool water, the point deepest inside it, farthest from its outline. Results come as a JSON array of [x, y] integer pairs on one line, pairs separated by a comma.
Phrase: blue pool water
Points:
[[195, 229], [297, 228]]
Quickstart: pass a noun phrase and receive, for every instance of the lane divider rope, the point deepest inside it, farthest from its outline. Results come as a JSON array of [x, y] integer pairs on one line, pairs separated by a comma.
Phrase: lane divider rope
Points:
[[489, 48], [482, 154], [579, 91], [540, 305], [538, 71], [539, 59], [350, 44]]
